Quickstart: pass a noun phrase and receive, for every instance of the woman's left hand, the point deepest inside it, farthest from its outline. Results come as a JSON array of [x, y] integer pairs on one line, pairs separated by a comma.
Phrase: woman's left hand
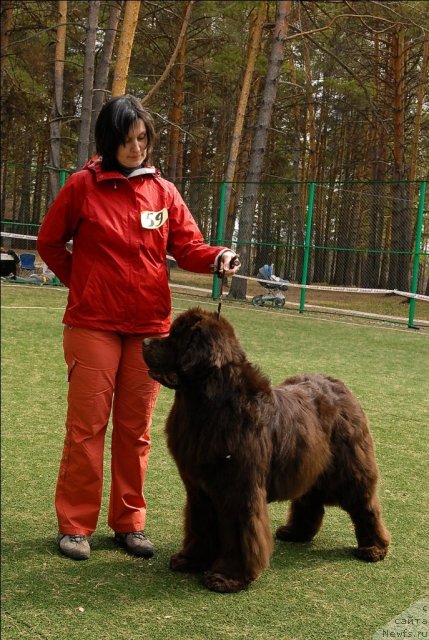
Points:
[[229, 263]]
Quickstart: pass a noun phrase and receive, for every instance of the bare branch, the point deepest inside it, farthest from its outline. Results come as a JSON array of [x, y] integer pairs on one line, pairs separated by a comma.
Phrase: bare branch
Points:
[[170, 64], [333, 20]]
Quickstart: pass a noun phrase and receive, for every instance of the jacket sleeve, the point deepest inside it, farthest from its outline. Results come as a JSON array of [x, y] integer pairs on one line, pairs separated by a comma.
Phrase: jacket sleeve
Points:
[[185, 242], [59, 226]]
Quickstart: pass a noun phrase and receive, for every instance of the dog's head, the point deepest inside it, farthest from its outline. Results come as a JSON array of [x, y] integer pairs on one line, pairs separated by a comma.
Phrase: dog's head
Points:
[[199, 344]]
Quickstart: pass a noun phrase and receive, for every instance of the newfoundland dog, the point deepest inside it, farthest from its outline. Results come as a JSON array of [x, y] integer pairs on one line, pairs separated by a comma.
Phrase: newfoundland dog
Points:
[[240, 443]]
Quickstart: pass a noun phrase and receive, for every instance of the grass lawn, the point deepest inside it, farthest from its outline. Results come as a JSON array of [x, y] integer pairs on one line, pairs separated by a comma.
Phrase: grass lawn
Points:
[[309, 592]]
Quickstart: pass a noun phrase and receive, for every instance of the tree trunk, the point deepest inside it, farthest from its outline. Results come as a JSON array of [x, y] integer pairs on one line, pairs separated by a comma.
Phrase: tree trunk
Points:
[[238, 287], [243, 160], [198, 141], [421, 92], [254, 45], [57, 105], [316, 173], [401, 221], [310, 141], [38, 185], [377, 150], [102, 69], [88, 84], [129, 24], [26, 185], [297, 203], [6, 24]]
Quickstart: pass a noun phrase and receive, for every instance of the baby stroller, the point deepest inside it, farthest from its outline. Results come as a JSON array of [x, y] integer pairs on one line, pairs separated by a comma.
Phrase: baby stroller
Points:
[[273, 283]]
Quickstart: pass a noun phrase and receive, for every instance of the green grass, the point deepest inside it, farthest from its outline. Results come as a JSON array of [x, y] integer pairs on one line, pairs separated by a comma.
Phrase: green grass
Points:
[[309, 592]]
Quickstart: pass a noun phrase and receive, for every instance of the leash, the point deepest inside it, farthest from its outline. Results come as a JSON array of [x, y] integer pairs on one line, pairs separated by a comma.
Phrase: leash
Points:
[[219, 306], [234, 262]]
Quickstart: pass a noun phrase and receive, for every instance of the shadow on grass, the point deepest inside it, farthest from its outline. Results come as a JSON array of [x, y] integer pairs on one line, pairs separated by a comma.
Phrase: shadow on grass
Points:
[[285, 554], [111, 573], [293, 554]]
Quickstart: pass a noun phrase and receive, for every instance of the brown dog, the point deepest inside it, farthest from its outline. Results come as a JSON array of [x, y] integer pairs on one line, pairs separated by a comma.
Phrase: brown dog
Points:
[[240, 443]]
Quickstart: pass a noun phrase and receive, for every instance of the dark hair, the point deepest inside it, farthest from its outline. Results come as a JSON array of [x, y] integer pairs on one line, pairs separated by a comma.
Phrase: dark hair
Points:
[[115, 120]]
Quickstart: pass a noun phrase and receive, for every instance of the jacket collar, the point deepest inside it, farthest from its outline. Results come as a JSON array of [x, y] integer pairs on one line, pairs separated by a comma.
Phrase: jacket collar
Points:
[[96, 166]]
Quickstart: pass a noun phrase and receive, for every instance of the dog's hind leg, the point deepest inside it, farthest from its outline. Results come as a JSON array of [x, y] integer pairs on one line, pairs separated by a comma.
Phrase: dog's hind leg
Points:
[[372, 536], [304, 519]]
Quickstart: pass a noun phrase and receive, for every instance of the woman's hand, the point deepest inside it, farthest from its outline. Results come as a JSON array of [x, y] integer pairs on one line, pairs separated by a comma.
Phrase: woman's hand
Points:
[[229, 263]]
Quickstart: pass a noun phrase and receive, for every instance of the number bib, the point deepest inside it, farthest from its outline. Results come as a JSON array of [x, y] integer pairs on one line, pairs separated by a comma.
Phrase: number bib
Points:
[[153, 219]]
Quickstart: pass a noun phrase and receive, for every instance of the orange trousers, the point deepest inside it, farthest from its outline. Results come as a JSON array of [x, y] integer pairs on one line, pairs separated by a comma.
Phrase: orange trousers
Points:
[[107, 376]]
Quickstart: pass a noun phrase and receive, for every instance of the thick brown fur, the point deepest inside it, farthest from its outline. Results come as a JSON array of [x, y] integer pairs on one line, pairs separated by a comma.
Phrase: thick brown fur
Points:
[[240, 443]]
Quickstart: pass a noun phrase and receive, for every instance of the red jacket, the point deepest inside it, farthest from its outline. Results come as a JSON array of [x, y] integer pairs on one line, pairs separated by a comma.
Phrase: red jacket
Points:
[[122, 230]]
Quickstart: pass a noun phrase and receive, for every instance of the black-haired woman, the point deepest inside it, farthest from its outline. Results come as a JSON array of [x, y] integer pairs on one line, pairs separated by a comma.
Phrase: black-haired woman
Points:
[[123, 219]]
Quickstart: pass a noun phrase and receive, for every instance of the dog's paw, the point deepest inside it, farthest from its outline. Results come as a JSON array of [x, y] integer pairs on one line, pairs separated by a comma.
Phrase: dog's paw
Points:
[[181, 562], [222, 584], [370, 554], [288, 534]]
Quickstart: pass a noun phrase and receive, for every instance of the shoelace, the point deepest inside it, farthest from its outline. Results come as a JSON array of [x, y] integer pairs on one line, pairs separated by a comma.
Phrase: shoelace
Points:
[[139, 534], [77, 538]]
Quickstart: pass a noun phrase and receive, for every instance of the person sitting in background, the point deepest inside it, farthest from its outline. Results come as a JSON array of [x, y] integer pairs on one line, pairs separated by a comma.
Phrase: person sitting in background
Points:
[[9, 263], [123, 218]]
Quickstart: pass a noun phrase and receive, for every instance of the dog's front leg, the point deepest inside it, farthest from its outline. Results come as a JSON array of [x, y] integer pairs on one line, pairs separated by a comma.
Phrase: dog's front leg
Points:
[[200, 540], [245, 541]]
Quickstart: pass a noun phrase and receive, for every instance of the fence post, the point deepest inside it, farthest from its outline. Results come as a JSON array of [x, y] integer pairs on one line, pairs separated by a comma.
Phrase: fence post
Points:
[[219, 235], [307, 243], [415, 278]]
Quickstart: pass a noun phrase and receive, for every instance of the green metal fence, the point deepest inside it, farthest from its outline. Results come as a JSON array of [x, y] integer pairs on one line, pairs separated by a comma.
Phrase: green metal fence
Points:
[[350, 234], [354, 235], [25, 194]]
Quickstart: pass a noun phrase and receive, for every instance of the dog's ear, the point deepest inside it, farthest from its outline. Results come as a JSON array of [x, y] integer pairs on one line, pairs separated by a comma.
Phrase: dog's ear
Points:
[[197, 353], [207, 348]]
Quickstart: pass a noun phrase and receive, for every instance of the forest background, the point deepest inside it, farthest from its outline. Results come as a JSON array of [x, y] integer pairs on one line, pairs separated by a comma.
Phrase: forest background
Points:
[[265, 97]]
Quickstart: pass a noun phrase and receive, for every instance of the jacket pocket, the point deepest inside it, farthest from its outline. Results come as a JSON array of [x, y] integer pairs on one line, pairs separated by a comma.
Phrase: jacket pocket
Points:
[[68, 352]]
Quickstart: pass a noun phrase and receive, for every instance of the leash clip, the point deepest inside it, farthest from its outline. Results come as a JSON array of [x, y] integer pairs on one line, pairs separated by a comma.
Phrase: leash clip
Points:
[[219, 306]]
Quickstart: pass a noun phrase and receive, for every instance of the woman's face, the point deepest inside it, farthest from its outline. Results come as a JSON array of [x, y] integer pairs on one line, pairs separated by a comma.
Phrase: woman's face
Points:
[[133, 152]]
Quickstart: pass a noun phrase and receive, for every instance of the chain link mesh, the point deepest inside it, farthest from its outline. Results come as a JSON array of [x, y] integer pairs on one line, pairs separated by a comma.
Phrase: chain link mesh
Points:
[[362, 233]]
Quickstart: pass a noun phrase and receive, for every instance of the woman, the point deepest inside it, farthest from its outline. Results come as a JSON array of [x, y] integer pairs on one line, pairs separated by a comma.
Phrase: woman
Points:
[[123, 219]]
